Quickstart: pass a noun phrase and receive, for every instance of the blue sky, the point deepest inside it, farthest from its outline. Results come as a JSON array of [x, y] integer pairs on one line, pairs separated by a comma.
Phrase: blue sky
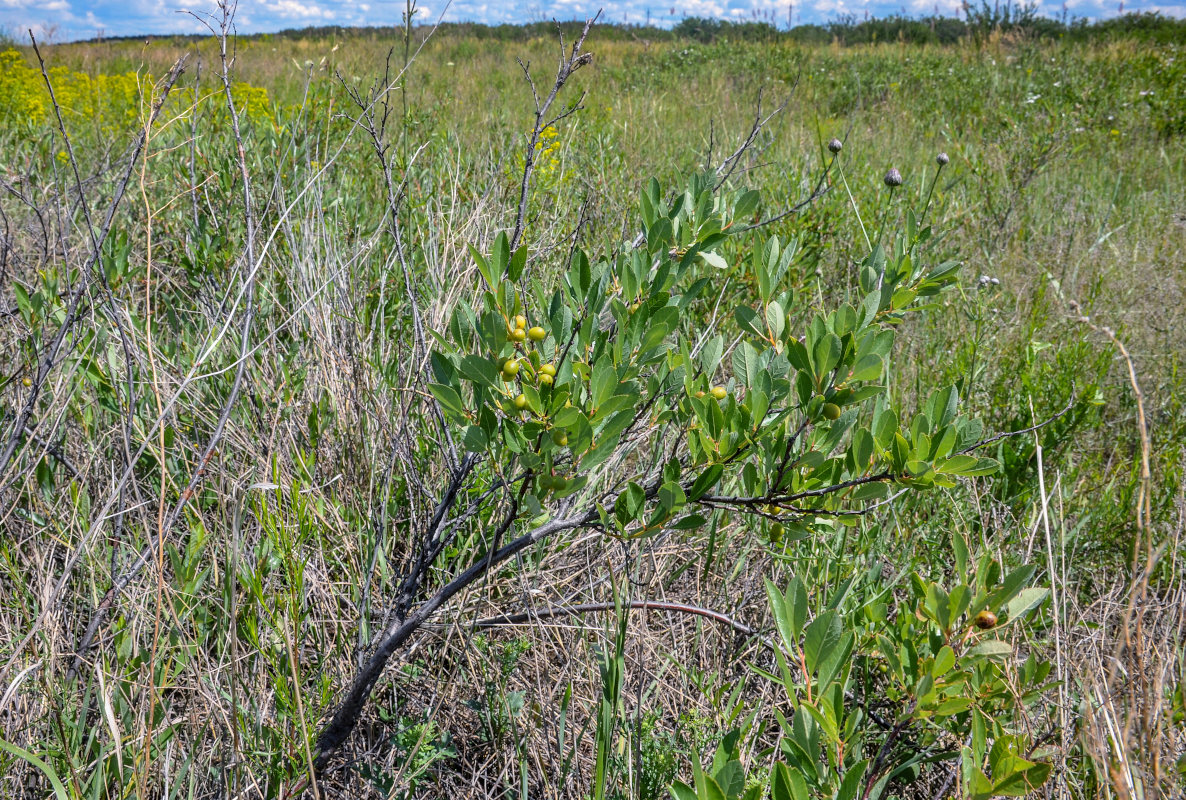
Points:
[[74, 19]]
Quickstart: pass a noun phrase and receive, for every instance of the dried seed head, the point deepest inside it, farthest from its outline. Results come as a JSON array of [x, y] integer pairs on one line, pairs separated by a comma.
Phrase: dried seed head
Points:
[[893, 178], [835, 146], [942, 159]]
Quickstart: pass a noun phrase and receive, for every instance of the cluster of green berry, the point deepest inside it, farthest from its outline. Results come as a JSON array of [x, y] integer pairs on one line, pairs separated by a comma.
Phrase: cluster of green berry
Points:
[[544, 375]]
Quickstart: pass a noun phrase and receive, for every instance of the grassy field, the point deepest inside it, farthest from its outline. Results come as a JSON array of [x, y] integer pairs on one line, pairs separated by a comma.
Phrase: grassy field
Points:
[[259, 432]]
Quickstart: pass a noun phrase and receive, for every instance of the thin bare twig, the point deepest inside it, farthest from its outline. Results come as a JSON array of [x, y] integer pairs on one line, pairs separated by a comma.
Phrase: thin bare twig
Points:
[[199, 474], [568, 65]]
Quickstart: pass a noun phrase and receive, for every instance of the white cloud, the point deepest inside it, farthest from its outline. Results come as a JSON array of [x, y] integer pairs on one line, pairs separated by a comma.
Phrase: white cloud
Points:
[[294, 9], [927, 7]]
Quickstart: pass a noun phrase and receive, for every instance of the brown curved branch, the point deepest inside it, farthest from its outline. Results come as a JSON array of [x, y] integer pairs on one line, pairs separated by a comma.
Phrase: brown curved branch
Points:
[[344, 720]]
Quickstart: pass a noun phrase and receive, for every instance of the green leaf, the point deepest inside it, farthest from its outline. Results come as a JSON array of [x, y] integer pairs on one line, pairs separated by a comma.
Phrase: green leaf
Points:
[[713, 260], [952, 706], [731, 778], [671, 496], [749, 321], [480, 370], [500, 256], [483, 267], [603, 384], [1026, 601], [474, 439], [869, 368], [705, 481], [852, 781], [786, 784], [628, 506], [776, 319], [746, 205], [448, 398], [781, 607], [1009, 587], [833, 660], [1022, 783], [944, 661], [746, 363], [689, 522], [976, 783], [821, 635], [518, 262], [710, 354], [970, 466], [826, 354], [991, 647]]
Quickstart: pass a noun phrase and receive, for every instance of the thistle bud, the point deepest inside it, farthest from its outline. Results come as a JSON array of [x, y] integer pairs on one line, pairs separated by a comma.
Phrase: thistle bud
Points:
[[893, 178], [835, 146], [942, 159]]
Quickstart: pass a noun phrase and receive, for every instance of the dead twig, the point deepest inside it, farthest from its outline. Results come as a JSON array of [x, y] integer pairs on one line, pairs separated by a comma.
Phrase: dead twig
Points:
[[568, 65], [199, 474]]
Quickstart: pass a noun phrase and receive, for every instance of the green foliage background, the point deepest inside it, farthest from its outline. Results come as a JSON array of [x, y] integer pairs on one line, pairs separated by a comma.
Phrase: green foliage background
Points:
[[1062, 206]]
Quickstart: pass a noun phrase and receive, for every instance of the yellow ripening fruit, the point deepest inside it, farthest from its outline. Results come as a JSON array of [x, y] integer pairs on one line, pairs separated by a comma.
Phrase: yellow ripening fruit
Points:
[[511, 368], [26, 381], [548, 369], [518, 335], [776, 532], [635, 306], [536, 334], [545, 379], [520, 321], [521, 401], [831, 411], [560, 438], [986, 620], [719, 392], [699, 393]]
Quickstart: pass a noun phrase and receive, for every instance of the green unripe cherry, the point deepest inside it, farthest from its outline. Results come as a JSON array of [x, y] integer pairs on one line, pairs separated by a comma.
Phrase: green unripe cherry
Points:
[[510, 368], [536, 334], [545, 379], [548, 369], [831, 411], [560, 438], [518, 335], [719, 392], [521, 401]]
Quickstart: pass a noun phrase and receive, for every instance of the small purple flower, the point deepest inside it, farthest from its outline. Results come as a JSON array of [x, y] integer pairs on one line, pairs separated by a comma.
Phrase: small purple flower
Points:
[[835, 146], [942, 159], [893, 178]]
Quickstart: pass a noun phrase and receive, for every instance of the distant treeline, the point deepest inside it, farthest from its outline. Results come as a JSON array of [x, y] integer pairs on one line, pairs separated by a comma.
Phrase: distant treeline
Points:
[[848, 30], [978, 24]]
